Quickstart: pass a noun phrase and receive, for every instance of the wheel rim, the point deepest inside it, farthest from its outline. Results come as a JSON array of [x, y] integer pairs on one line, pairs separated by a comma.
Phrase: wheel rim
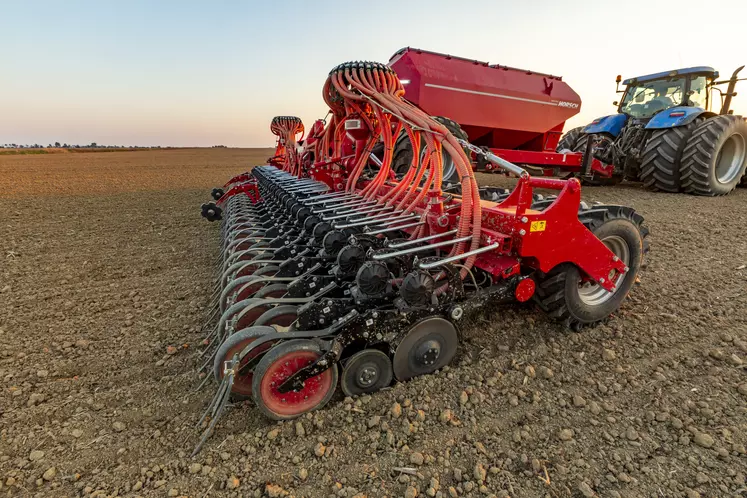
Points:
[[594, 294], [292, 403], [730, 158], [366, 371], [448, 168]]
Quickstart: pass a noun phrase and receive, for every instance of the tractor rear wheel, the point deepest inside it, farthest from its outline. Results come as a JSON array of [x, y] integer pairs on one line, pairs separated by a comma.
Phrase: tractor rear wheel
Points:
[[715, 157], [660, 165], [569, 139], [565, 295], [402, 158]]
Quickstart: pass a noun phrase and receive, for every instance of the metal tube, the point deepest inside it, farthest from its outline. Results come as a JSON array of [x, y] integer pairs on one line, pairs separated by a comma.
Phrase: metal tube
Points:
[[479, 250], [378, 222], [355, 212], [345, 204], [397, 245], [394, 229], [379, 257]]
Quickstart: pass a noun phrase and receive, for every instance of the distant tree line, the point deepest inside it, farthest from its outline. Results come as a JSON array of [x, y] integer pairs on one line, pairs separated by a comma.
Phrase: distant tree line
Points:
[[92, 145]]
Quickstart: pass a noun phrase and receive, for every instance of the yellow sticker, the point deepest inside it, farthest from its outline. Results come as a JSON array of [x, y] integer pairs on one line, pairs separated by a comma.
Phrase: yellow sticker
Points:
[[538, 226]]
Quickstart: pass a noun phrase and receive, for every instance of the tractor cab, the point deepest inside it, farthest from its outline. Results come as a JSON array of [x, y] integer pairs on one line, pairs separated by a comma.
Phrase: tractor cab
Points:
[[648, 95]]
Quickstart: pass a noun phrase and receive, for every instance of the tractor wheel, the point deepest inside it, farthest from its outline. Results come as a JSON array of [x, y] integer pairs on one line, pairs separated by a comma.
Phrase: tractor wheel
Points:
[[569, 139], [402, 158], [660, 165], [715, 157], [566, 296], [595, 181]]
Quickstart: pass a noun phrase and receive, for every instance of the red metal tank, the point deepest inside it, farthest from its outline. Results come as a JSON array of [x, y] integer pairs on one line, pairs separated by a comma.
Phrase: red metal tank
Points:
[[498, 106]]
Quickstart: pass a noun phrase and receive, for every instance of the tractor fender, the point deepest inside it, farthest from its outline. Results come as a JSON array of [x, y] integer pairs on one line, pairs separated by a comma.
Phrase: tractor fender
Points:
[[608, 124], [682, 116]]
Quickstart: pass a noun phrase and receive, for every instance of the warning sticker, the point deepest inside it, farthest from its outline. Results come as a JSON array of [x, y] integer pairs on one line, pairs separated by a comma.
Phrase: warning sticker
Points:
[[538, 226]]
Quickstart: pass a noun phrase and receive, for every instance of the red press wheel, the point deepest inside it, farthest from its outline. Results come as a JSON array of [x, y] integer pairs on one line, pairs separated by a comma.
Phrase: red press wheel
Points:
[[278, 364], [242, 384]]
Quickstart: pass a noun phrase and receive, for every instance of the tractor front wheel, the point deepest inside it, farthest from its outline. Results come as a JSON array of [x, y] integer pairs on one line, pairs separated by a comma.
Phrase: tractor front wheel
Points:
[[715, 157]]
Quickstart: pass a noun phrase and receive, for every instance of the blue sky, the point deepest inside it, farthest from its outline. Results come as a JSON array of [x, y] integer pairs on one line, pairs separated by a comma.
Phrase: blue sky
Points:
[[215, 72]]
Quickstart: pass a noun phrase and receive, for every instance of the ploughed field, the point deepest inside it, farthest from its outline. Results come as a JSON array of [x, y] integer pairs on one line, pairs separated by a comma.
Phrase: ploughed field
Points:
[[105, 277]]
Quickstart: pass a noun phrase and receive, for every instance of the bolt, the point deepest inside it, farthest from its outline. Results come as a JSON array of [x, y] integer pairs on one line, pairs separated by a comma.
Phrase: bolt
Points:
[[601, 280], [522, 232], [524, 219], [615, 259]]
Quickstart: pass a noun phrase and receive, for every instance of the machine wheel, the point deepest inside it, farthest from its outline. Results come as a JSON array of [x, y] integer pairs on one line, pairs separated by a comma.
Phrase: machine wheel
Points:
[[660, 165], [569, 139], [271, 291], [429, 345], [242, 385], [279, 318], [715, 157], [595, 181], [366, 371], [565, 296], [278, 364], [217, 193], [402, 158]]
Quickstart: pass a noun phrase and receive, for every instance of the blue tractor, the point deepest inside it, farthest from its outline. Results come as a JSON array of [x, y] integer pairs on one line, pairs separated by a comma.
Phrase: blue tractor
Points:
[[666, 136]]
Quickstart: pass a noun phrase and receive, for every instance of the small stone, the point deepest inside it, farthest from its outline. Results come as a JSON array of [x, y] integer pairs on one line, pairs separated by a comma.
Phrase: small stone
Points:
[[529, 370], [716, 354], [119, 426], [742, 389], [546, 372], [691, 493], [49, 474], [480, 473], [195, 468], [303, 473], [703, 439], [171, 350], [586, 490], [565, 434], [36, 455], [138, 486], [578, 401], [232, 482], [608, 355], [417, 458], [446, 415], [396, 410], [300, 431], [273, 434], [319, 450], [173, 492], [735, 360], [463, 398], [76, 433], [631, 434], [374, 421], [274, 491], [453, 492], [701, 478], [411, 492]]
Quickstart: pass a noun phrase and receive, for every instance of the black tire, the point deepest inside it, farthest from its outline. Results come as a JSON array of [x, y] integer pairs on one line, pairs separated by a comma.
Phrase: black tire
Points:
[[230, 347], [265, 291], [279, 317], [594, 181], [661, 158], [711, 160], [559, 292], [402, 158], [569, 139]]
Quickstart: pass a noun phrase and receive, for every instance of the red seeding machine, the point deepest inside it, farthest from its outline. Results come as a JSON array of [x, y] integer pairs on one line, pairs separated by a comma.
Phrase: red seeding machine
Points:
[[338, 269]]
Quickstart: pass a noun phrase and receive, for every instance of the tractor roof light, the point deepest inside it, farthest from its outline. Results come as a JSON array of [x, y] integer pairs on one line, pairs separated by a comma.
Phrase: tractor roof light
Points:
[[676, 114]]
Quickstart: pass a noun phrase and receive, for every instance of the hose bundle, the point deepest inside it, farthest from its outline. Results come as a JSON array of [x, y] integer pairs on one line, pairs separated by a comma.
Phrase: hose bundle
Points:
[[286, 128]]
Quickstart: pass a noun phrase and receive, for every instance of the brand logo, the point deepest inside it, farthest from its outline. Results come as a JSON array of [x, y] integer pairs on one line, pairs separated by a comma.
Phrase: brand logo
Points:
[[571, 105]]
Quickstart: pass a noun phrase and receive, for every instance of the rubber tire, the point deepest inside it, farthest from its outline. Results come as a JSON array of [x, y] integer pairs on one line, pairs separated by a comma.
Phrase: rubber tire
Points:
[[269, 315], [231, 342], [569, 139], [269, 358], [402, 157], [261, 293], [558, 291], [698, 160], [661, 158], [598, 181]]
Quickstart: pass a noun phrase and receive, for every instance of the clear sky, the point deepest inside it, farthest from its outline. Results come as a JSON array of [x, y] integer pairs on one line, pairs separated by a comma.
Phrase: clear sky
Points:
[[200, 73]]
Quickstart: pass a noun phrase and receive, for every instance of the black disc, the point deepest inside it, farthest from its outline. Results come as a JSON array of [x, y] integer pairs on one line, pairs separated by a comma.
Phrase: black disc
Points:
[[350, 258], [429, 345], [320, 230], [372, 278], [365, 372], [333, 242], [417, 288]]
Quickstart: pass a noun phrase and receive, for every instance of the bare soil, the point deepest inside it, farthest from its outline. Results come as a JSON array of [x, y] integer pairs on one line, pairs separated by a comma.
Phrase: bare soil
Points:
[[105, 277]]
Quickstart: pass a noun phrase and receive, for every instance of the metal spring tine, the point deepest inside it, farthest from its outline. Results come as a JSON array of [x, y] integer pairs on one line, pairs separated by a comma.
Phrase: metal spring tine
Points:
[[406, 243], [220, 407], [394, 229], [397, 211], [345, 204], [384, 222], [203, 383], [379, 257], [211, 407], [479, 250]]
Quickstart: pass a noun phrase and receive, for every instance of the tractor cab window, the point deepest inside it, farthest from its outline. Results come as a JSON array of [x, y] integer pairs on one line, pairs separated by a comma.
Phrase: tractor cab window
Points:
[[646, 99], [698, 94]]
